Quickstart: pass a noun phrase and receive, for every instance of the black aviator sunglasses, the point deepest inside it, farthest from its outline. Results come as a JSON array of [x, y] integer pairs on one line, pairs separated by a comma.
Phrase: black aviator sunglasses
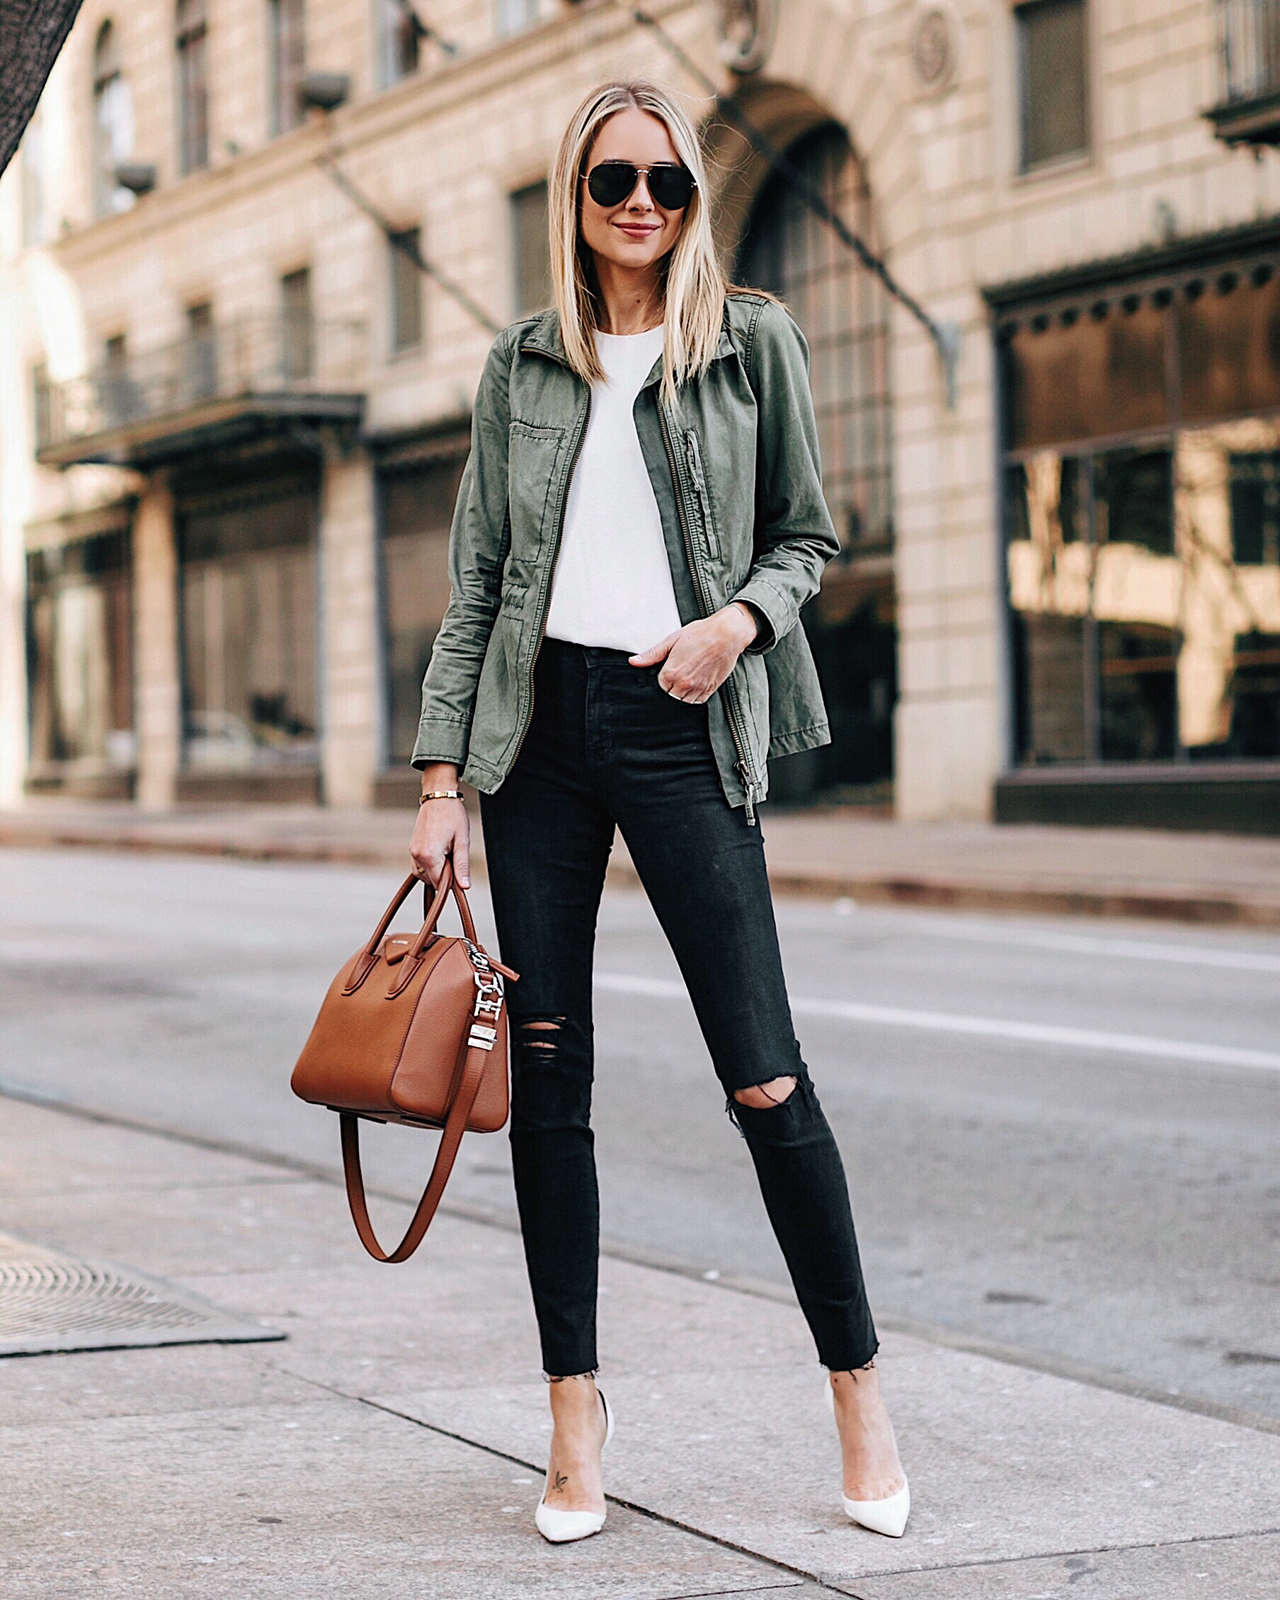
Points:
[[609, 183]]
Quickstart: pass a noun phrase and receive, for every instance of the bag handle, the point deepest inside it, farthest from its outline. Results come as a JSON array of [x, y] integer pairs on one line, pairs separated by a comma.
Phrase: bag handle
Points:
[[450, 1139], [447, 884]]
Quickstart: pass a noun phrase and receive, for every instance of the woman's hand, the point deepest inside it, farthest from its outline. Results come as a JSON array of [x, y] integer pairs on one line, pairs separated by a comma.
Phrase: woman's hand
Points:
[[442, 830], [702, 654]]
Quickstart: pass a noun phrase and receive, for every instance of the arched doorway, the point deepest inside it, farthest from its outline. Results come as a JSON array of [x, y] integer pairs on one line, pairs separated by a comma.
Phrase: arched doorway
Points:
[[844, 313]]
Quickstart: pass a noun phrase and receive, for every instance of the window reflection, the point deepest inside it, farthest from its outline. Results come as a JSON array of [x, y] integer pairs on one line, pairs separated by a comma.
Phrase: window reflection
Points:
[[1142, 499], [1146, 591], [1229, 667]]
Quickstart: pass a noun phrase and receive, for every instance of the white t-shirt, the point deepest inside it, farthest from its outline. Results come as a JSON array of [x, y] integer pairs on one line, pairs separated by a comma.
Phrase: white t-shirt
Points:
[[612, 583]]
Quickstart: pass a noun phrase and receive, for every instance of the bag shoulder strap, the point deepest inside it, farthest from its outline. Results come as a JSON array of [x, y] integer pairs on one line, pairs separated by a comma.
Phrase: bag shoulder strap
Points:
[[446, 1154]]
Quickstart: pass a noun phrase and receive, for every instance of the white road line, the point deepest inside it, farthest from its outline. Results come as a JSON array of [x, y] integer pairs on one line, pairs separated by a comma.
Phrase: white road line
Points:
[[1133, 1044], [1084, 944]]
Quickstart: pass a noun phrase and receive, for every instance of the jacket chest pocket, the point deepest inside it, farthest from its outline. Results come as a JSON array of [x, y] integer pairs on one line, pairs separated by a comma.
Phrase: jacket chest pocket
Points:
[[706, 515], [534, 454]]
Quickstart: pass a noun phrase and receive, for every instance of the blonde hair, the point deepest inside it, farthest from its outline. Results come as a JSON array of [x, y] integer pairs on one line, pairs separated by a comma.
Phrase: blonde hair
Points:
[[692, 280]]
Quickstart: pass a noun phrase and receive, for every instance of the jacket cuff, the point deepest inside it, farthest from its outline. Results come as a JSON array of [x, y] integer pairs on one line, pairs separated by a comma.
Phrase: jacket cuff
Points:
[[440, 740], [776, 610]]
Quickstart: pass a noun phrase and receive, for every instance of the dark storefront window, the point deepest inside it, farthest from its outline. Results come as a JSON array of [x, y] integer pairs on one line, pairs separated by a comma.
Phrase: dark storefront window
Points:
[[247, 556], [417, 502], [1142, 499], [843, 311], [80, 654]]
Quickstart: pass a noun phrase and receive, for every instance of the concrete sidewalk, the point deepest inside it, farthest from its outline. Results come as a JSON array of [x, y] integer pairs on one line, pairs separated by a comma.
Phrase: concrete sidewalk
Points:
[[1185, 877], [392, 1447]]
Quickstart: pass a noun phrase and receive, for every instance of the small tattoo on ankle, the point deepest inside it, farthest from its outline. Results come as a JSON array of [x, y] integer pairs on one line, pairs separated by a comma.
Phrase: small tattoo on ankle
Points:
[[561, 1479]]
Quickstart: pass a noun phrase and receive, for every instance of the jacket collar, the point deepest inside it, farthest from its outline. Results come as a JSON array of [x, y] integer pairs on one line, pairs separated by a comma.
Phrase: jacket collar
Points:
[[543, 336]]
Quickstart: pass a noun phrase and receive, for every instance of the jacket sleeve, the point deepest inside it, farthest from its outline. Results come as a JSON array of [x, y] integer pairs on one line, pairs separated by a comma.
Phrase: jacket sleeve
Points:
[[794, 534], [479, 537]]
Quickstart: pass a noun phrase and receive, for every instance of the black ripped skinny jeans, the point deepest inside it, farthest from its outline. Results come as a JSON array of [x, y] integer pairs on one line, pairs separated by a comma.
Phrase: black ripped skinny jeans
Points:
[[608, 746]]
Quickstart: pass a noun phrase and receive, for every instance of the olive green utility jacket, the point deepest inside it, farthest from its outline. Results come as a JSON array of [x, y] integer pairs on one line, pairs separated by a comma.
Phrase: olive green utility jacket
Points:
[[736, 473]]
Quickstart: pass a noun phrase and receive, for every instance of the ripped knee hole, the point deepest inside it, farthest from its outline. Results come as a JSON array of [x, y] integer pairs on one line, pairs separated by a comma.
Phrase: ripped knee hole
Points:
[[540, 1025], [763, 1095]]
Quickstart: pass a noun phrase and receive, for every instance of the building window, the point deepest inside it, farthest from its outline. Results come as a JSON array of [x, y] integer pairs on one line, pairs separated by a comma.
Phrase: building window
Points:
[[1142, 495], [406, 291], [399, 42], [297, 326], [112, 124], [531, 249], [247, 562], [34, 218], [80, 655], [416, 505], [1053, 80], [41, 405], [200, 355], [120, 399], [844, 313], [193, 85], [288, 62], [513, 16]]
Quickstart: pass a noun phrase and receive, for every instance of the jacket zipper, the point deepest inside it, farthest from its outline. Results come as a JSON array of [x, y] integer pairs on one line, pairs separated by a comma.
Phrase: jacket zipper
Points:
[[710, 536], [545, 590], [750, 783]]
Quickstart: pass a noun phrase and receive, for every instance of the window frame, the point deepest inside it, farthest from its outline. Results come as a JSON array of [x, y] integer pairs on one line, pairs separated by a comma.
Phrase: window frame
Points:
[[191, 73], [109, 198], [389, 68], [1025, 167], [398, 261], [531, 15], [284, 115], [1196, 277], [515, 197]]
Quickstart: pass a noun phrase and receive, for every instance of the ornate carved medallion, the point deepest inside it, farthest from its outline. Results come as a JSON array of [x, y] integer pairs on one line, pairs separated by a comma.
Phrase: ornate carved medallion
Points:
[[935, 48], [747, 29]]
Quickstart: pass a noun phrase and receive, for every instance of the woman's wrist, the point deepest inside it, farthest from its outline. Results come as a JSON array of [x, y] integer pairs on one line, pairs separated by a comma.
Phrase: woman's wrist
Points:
[[439, 775], [750, 621]]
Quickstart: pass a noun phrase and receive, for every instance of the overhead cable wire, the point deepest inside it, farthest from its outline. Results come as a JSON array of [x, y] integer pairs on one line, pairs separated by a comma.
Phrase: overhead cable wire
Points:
[[405, 242], [945, 335]]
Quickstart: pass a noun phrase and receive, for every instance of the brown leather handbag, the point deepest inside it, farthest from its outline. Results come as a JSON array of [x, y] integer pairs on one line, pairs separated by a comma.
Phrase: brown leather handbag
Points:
[[412, 1030]]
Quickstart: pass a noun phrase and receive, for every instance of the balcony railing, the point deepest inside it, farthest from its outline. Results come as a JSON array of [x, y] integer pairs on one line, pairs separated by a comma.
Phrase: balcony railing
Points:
[[1249, 50], [133, 406]]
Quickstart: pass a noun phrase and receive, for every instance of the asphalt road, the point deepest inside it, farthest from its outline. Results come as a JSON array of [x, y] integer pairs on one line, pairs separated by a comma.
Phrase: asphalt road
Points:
[[1061, 1136]]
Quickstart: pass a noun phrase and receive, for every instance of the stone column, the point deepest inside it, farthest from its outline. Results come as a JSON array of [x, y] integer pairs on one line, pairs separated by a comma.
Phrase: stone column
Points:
[[157, 672], [948, 725], [350, 677]]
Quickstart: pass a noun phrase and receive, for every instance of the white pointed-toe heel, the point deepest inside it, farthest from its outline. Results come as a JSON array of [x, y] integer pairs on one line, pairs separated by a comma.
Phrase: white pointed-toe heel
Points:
[[887, 1516], [563, 1527]]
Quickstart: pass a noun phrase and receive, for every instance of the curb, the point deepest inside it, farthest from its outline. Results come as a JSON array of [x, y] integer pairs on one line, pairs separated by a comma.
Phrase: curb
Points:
[[1190, 907]]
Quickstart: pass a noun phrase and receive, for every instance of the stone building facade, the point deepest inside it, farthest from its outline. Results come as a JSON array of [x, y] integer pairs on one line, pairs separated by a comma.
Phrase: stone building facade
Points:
[[233, 409]]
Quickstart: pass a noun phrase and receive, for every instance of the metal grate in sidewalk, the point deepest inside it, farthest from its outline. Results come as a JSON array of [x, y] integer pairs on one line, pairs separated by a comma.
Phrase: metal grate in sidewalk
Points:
[[51, 1302]]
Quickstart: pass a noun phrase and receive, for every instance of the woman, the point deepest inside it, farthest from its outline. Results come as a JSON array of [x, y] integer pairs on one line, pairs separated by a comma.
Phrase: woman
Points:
[[640, 519]]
